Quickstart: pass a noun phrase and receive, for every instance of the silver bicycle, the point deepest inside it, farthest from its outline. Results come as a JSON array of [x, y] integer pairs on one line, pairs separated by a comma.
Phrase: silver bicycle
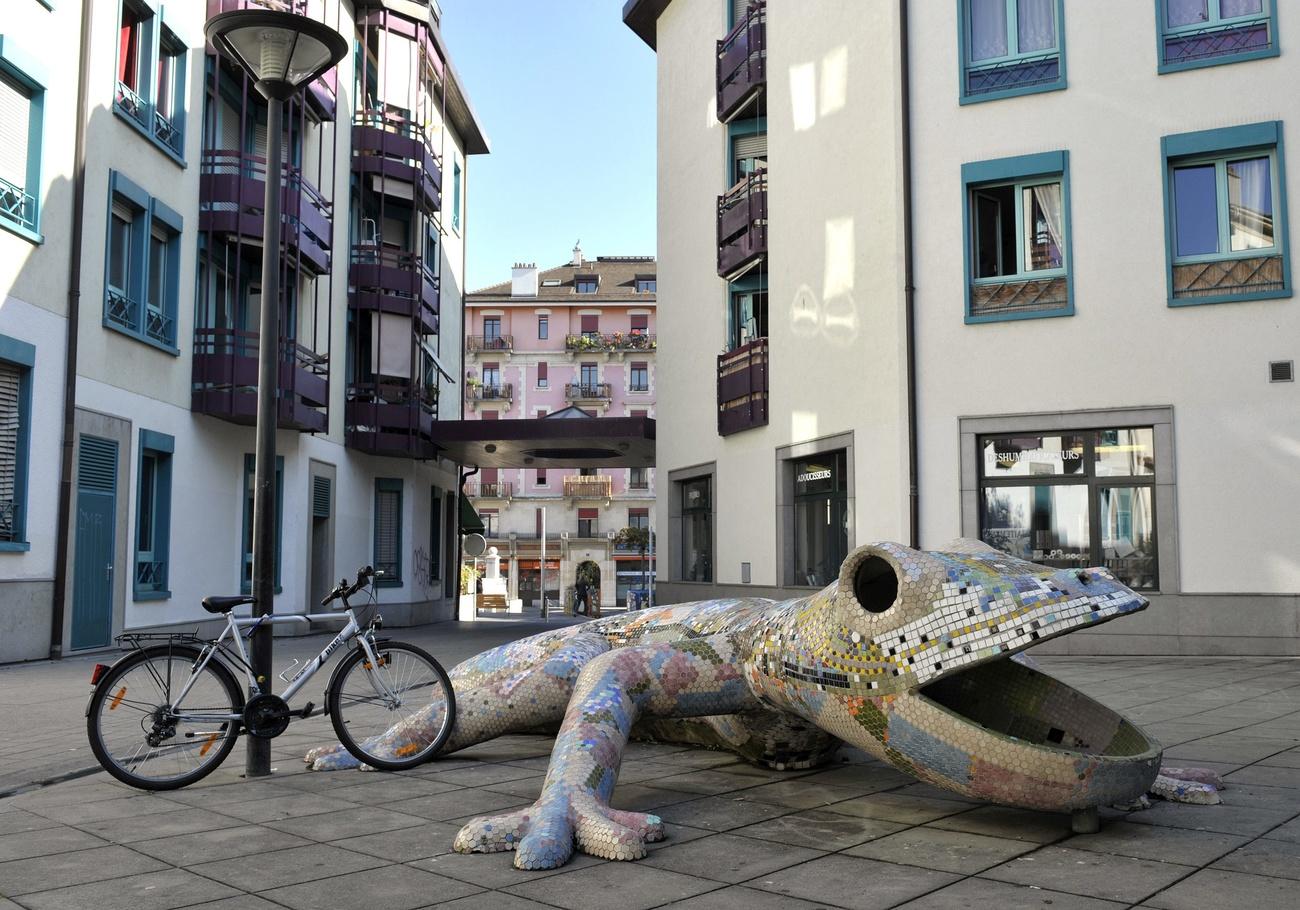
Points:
[[168, 713]]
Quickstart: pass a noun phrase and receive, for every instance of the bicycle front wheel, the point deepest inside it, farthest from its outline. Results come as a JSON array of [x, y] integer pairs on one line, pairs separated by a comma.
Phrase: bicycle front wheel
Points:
[[396, 714], [144, 738]]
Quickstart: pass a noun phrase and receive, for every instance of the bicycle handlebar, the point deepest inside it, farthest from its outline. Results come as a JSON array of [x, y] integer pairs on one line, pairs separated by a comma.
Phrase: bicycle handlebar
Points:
[[342, 589]]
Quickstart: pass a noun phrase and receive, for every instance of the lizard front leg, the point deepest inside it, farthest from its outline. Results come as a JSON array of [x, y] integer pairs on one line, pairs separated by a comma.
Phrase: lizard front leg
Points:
[[692, 678]]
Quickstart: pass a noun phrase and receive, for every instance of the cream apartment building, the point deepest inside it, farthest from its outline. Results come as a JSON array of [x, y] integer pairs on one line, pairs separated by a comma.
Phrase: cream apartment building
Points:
[[167, 214], [1088, 204]]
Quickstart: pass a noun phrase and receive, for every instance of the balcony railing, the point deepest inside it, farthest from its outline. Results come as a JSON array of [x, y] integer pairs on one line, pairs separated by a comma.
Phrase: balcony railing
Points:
[[742, 226], [8, 520], [159, 326], [18, 205], [165, 131], [499, 391], [150, 575], [477, 344], [1218, 40], [131, 103], [742, 64], [597, 487], [231, 192], [394, 281], [392, 418], [225, 380], [742, 388], [499, 489], [388, 145], [588, 391], [121, 310], [616, 341]]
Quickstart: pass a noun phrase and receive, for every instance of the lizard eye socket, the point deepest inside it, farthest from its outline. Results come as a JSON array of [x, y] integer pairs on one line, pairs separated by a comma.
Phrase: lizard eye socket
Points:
[[875, 585]]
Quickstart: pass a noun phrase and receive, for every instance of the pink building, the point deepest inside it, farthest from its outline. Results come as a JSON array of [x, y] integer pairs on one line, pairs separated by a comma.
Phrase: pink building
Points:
[[573, 341]]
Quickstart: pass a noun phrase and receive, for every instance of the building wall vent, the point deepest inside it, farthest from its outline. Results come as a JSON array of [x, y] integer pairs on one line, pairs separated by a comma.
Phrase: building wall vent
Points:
[[1281, 371]]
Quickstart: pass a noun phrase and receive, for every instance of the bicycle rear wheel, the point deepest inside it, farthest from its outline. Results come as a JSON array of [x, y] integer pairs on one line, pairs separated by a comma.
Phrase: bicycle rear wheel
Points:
[[141, 739], [396, 731]]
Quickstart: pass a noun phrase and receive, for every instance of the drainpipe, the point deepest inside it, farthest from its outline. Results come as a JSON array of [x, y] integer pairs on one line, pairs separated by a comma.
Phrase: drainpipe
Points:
[[64, 526], [909, 287]]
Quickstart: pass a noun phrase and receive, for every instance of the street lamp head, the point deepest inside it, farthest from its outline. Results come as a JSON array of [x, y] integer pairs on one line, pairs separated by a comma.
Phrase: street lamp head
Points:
[[280, 51]]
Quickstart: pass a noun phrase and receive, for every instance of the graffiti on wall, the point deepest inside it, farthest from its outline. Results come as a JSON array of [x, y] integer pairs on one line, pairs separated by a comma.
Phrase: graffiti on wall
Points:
[[421, 569]]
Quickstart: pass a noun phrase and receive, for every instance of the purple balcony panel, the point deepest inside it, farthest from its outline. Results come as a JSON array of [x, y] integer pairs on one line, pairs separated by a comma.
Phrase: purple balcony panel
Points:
[[742, 388], [225, 380], [394, 282], [742, 226], [395, 148], [232, 188], [742, 64]]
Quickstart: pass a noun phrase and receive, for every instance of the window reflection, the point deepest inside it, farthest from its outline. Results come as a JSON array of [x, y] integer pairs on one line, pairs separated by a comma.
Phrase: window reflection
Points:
[[1044, 524]]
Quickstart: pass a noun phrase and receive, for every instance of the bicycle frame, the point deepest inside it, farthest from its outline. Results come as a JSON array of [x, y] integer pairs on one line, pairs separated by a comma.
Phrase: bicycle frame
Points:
[[232, 631]]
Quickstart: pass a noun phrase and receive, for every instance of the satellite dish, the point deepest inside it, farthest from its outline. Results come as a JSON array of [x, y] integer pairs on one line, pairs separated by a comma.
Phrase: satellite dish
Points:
[[474, 545]]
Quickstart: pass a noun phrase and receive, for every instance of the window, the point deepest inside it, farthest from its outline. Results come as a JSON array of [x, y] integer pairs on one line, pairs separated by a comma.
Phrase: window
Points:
[[697, 529], [588, 521], [17, 358], [132, 60], [1011, 47], [491, 380], [645, 285], [585, 284], [491, 522], [435, 535], [640, 377], [640, 323], [388, 532], [748, 317], [541, 478], [455, 196], [821, 517], [638, 518], [250, 475], [637, 479], [590, 325], [22, 101], [142, 273], [1196, 33], [153, 515], [1225, 215], [543, 327], [169, 93], [1073, 499], [589, 376], [748, 155], [492, 338], [1017, 216], [543, 375]]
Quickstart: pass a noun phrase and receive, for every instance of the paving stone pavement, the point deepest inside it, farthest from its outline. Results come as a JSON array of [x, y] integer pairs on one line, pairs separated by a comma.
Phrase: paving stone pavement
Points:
[[854, 834]]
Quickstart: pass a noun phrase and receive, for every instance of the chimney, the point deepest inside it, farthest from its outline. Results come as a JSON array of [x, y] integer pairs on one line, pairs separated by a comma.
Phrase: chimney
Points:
[[577, 254], [523, 280]]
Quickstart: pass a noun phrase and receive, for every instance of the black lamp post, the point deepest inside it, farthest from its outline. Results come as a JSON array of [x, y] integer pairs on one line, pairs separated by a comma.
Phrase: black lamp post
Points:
[[281, 52]]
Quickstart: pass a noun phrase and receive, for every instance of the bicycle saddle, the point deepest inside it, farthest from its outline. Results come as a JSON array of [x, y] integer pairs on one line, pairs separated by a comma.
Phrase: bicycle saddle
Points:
[[217, 604]]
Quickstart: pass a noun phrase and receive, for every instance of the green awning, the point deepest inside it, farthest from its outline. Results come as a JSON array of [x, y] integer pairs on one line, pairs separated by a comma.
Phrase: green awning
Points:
[[470, 523]]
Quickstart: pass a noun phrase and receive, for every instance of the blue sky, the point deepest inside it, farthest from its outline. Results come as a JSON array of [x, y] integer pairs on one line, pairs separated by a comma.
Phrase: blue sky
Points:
[[566, 94]]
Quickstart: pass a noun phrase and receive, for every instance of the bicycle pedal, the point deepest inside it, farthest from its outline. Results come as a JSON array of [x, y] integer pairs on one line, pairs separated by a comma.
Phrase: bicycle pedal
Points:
[[306, 711]]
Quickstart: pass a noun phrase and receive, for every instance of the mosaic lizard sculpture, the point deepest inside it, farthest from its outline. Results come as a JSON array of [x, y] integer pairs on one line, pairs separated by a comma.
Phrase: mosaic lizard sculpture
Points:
[[905, 656]]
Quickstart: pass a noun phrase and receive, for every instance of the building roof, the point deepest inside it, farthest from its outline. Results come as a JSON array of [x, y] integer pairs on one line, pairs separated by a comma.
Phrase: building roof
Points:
[[617, 274], [642, 15]]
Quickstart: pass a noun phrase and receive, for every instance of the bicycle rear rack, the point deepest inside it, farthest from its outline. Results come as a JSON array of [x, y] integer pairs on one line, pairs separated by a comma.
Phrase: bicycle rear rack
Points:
[[138, 640]]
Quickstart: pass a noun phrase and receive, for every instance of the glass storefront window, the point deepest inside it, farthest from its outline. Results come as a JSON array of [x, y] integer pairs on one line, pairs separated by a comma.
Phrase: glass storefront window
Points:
[[1125, 453], [821, 530], [1128, 534], [1044, 524], [1054, 499], [697, 530]]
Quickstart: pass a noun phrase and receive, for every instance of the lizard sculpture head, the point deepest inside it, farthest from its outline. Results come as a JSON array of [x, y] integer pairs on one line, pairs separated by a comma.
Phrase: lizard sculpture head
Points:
[[908, 656]]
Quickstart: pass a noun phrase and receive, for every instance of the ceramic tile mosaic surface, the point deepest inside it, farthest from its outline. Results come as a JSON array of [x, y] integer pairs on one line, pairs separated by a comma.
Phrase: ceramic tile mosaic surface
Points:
[[906, 656]]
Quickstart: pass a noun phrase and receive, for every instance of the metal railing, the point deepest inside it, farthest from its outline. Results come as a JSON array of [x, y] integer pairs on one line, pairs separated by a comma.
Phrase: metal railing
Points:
[[479, 343], [1218, 40], [121, 310], [588, 391], [8, 520], [742, 62], [499, 489], [597, 487], [166, 132], [159, 326], [613, 341], [130, 102], [17, 204], [501, 391], [151, 575]]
